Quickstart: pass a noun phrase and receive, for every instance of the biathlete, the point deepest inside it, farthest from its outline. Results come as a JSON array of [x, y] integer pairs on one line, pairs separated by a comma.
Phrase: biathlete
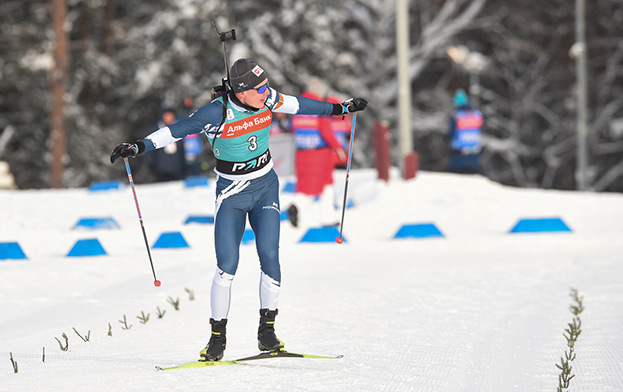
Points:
[[237, 124]]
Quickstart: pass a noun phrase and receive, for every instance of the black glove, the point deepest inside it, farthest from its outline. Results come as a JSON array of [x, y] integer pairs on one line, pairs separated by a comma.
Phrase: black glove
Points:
[[125, 150], [349, 106], [355, 104]]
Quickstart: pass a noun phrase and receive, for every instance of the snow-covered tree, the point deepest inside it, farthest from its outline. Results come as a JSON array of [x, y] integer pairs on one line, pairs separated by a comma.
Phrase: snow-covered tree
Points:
[[127, 59]]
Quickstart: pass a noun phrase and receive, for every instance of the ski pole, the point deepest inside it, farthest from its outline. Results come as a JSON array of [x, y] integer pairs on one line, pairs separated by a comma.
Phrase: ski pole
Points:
[[140, 218], [340, 239]]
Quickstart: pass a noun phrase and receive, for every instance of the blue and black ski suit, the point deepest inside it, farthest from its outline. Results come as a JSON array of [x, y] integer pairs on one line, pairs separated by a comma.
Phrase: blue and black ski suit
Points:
[[246, 184]]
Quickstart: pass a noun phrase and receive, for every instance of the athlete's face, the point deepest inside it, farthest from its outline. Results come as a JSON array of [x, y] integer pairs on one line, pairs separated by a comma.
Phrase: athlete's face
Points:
[[256, 96]]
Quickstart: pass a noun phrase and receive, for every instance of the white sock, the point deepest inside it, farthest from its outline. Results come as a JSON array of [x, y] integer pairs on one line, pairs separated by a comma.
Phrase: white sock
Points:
[[269, 292], [220, 295]]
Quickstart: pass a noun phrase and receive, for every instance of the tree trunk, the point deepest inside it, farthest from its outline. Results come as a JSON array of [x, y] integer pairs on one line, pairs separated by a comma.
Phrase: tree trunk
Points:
[[59, 82], [108, 33]]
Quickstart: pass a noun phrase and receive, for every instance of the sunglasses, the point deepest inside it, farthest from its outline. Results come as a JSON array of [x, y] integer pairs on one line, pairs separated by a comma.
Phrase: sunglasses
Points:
[[261, 89]]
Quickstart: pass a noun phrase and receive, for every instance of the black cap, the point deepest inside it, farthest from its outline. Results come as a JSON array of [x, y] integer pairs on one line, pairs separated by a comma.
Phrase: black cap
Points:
[[166, 109], [246, 74]]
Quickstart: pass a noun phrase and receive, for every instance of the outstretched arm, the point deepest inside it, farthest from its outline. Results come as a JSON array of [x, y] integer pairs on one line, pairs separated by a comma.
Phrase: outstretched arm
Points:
[[282, 103], [206, 119]]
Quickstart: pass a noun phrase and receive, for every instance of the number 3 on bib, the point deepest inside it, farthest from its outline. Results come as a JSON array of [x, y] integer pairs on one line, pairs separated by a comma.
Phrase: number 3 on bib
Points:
[[252, 143]]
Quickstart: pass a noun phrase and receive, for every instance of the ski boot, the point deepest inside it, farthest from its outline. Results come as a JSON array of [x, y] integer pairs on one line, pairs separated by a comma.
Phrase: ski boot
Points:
[[266, 338], [216, 346]]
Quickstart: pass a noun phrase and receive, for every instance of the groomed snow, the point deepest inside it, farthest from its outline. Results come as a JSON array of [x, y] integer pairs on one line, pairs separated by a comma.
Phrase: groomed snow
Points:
[[477, 310]]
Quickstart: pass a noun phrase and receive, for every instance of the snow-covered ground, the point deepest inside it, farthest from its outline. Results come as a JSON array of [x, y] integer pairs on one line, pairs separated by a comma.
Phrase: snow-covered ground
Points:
[[477, 310]]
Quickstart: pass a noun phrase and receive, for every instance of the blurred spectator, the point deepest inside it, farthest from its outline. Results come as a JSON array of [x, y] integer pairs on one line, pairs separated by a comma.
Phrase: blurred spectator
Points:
[[187, 108], [315, 144], [168, 163], [193, 151], [464, 134], [281, 123], [193, 147]]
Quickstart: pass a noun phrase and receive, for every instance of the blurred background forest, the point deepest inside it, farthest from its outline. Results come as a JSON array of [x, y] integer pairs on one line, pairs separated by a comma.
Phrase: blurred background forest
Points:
[[127, 59]]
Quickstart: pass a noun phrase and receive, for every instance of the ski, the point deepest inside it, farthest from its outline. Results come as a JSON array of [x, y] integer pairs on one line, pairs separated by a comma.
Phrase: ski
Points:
[[264, 355], [197, 364], [284, 354]]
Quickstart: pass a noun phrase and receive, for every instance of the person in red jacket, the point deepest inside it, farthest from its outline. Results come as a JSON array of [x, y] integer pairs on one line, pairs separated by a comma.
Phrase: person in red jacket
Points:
[[314, 162]]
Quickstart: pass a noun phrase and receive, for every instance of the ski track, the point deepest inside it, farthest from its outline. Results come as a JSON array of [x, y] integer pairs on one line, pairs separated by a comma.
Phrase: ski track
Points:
[[478, 310]]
